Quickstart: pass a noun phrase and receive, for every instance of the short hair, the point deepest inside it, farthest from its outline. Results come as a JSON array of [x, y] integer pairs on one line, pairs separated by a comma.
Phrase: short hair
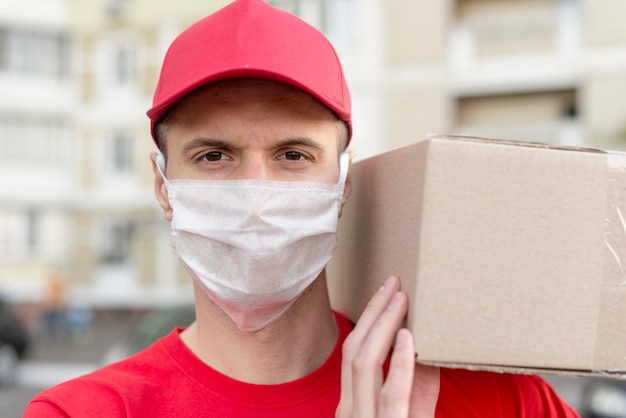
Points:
[[159, 134]]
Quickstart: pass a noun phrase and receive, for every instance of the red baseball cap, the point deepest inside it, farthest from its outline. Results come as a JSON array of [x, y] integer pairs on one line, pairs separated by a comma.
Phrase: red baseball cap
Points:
[[251, 39]]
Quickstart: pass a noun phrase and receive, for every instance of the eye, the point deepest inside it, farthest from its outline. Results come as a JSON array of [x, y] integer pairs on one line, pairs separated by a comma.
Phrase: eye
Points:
[[295, 156], [213, 156]]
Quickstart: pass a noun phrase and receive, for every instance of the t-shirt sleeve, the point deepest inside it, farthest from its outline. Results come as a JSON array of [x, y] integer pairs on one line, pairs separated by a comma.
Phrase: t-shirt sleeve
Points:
[[540, 399], [81, 397], [485, 394], [39, 408]]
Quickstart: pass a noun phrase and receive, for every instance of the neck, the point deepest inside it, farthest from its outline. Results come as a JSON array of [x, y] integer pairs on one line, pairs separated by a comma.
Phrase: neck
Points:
[[290, 348]]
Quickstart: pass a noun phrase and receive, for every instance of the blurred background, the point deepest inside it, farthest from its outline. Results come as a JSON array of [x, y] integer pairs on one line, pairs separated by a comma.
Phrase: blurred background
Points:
[[85, 260]]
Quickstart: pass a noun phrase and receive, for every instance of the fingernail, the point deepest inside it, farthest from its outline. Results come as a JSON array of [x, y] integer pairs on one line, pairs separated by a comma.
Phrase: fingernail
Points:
[[395, 301], [385, 285], [401, 338]]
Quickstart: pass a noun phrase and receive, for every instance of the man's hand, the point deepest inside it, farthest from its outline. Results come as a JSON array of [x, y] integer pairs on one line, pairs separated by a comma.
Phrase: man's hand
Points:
[[410, 389]]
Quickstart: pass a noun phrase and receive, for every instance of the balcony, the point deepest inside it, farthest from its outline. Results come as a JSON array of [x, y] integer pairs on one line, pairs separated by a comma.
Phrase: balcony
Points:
[[516, 49]]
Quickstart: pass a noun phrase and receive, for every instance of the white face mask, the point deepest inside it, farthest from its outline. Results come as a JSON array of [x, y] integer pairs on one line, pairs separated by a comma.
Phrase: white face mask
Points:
[[254, 245]]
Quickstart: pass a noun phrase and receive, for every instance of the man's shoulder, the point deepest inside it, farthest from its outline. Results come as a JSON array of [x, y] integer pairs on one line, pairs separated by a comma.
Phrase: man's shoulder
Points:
[[105, 391], [526, 395]]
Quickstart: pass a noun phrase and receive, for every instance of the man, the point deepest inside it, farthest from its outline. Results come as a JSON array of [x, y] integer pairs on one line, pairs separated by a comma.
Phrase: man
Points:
[[252, 117]]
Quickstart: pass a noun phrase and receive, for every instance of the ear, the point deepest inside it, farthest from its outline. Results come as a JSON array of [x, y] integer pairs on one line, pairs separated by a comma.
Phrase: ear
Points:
[[347, 190], [159, 189]]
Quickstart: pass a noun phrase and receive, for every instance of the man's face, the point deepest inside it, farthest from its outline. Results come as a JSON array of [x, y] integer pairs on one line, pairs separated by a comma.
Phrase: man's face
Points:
[[250, 129]]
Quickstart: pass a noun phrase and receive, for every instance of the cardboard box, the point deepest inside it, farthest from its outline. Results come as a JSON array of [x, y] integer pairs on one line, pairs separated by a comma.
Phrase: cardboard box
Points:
[[513, 254]]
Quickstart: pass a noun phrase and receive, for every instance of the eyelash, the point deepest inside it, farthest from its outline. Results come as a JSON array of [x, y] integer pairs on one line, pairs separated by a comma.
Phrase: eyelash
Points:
[[205, 156], [300, 155], [289, 158]]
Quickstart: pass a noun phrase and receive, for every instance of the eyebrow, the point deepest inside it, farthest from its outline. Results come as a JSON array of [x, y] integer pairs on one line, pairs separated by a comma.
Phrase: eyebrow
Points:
[[303, 141], [218, 143], [205, 142]]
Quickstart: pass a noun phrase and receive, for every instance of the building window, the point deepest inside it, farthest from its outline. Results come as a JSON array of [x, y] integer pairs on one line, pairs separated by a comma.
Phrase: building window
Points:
[[121, 153], [116, 243], [32, 231], [115, 8], [4, 54], [122, 70], [32, 52], [35, 141], [550, 117], [20, 233], [335, 18]]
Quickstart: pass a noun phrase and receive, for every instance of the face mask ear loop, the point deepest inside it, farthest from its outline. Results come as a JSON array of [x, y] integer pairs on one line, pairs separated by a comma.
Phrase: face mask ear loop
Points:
[[160, 162], [344, 162]]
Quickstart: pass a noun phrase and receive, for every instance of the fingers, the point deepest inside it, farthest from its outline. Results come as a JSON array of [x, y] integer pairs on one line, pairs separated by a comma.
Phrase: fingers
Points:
[[395, 395], [411, 389], [367, 366], [372, 312], [366, 349], [355, 340]]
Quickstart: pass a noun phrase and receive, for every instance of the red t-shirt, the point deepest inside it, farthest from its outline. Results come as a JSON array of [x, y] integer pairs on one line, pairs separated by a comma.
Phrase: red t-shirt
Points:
[[168, 380]]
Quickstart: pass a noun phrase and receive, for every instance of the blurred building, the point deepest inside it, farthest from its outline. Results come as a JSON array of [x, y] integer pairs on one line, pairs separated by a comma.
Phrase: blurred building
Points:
[[76, 195], [540, 70], [122, 254], [37, 148], [77, 78]]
